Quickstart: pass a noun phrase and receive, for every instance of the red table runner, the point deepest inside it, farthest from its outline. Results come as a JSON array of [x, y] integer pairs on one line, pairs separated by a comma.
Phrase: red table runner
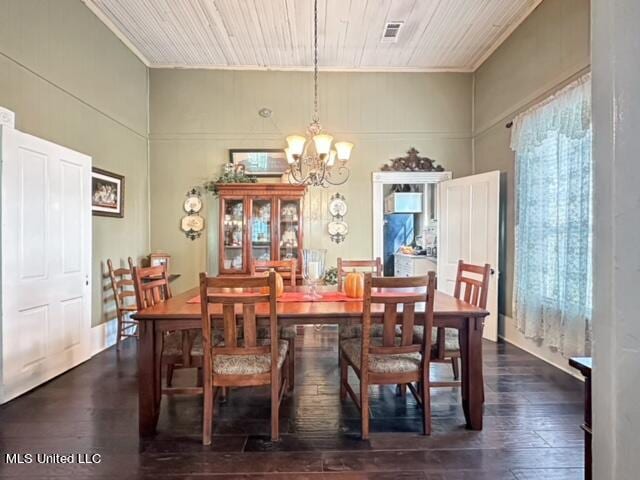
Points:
[[292, 297]]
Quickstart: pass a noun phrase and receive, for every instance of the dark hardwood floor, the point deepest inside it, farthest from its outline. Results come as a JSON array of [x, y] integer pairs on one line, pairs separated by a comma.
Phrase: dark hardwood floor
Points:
[[532, 417]]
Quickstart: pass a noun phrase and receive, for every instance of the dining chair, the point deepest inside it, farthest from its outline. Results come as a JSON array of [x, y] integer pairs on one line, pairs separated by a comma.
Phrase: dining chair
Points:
[[472, 286], [391, 359], [151, 288], [123, 293], [287, 269], [249, 361], [348, 266], [345, 267]]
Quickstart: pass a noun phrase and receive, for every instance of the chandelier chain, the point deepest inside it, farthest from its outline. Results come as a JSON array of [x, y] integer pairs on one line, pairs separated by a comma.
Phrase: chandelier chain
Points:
[[316, 116], [311, 165]]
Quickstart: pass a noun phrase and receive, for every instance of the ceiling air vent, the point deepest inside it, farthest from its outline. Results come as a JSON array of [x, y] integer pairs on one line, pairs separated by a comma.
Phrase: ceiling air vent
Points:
[[391, 30]]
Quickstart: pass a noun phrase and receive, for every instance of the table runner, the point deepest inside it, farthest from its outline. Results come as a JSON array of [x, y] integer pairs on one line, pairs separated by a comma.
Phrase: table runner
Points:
[[292, 297]]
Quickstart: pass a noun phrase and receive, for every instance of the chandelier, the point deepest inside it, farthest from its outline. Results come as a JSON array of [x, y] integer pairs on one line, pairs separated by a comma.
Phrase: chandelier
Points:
[[312, 160]]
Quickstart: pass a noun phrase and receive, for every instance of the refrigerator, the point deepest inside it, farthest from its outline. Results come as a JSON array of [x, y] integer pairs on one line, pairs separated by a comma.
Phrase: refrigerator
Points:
[[398, 231]]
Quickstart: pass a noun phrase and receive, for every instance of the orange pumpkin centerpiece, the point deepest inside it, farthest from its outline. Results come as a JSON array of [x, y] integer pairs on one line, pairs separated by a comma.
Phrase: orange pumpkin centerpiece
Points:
[[354, 285], [279, 285]]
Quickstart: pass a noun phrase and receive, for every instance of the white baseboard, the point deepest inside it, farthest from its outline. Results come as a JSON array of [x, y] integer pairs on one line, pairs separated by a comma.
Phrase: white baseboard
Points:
[[103, 336], [513, 336]]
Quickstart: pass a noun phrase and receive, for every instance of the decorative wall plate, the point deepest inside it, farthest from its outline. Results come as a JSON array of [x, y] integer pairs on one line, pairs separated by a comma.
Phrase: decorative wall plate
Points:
[[337, 227], [337, 206], [192, 225], [193, 202]]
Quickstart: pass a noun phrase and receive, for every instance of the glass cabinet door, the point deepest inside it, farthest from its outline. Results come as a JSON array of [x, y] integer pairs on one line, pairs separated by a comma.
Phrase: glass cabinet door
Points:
[[233, 235], [261, 229], [290, 224]]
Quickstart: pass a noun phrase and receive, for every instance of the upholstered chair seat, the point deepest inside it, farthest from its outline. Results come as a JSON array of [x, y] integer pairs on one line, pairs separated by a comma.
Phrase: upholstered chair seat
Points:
[[451, 343], [286, 333], [172, 344], [387, 363], [249, 364], [355, 331]]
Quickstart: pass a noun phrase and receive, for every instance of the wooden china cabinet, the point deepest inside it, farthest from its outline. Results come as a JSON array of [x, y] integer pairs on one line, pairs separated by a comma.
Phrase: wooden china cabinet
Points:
[[259, 221]]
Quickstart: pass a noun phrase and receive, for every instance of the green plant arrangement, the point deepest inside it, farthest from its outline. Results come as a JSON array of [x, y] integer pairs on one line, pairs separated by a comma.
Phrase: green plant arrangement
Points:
[[237, 176], [331, 276]]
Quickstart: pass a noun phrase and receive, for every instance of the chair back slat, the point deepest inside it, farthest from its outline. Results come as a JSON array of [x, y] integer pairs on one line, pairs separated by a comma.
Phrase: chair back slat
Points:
[[151, 286], [472, 290], [389, 325], [408, 321], [119, 280], [249, 324], [347, 266], [229, 326], [234, 292], [286, 268], [388, 291]]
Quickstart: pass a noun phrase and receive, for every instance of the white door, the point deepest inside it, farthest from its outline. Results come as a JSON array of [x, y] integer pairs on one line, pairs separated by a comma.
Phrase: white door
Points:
[[468, 230], [46, 260]]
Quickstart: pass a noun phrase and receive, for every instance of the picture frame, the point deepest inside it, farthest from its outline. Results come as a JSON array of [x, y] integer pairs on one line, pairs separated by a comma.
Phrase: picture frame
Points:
[[260, 162], [160, 258], [107, 193]]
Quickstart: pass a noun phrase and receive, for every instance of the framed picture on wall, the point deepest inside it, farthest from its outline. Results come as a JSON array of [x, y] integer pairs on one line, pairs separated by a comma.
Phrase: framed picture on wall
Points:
[[265, 162], [107, 193], [159, 258]]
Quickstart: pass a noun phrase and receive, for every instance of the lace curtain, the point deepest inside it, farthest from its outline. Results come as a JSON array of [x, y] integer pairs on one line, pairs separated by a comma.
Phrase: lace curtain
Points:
[[553, 267]]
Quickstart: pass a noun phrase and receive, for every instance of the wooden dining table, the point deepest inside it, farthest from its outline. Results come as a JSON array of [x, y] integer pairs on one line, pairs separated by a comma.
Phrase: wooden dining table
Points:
[[183, 313]]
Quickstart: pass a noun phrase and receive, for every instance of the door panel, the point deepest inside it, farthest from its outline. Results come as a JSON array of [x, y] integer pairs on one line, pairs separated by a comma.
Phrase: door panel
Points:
[[46, 260], [71, 190], [34, 214], [72, 315], [469, 213]]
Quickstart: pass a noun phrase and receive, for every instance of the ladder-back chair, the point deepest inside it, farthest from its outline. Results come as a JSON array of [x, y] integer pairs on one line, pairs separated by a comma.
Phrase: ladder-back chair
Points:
[[124, 297], [152, 287]]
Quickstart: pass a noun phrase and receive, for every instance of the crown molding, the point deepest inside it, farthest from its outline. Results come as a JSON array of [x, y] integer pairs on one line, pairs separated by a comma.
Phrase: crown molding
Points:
[[264, 68]]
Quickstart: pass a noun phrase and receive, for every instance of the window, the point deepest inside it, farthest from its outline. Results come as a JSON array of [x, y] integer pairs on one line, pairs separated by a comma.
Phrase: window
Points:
[[553, 265]]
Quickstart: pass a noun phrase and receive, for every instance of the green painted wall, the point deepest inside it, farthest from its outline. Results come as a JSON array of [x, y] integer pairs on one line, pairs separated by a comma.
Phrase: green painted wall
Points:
[[71, 81], [197, 115], [548, 50]]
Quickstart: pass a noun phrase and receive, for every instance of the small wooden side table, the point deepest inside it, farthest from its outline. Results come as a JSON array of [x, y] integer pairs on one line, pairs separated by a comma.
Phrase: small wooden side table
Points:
[[583, 365]]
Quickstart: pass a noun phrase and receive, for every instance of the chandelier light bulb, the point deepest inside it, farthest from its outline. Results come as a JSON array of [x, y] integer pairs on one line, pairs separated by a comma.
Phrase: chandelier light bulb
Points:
[[344, 150], [323, 143], [296, 145], [290, 159]]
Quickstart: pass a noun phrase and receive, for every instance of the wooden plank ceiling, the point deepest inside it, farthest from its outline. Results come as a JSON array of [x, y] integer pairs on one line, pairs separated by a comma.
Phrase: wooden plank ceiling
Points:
[[448, 35]]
